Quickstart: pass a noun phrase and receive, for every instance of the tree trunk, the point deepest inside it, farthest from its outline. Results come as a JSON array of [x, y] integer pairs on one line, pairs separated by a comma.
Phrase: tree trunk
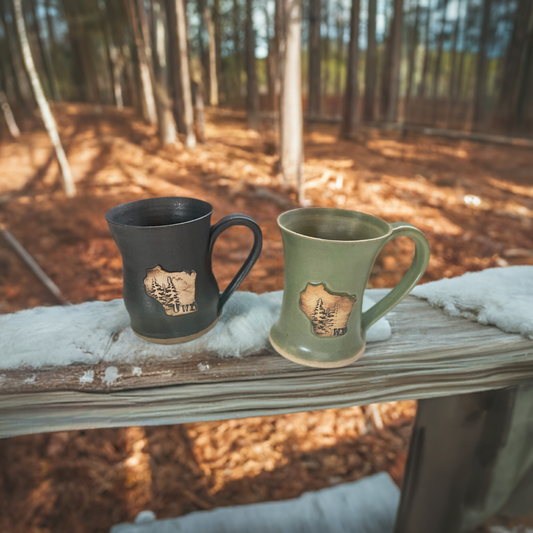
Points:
[[112, 58], [327, 49], [480, 92], [425, 63], [413, 45], [438, 60], [200, 118], [144, 69], [370, 63], [20, 76], [313, 92], [452, 95], [350, 114], [188, 116], [46, 114], [386, 70], [270, 60], [47, 64], [213, 79], [252, 98], [396, 57], [175, 69], [340, 47], [523, 94], [236, 35], [513, 62], [8, 115], [221, 72], [466, 30], [167, 126], [291, 123]]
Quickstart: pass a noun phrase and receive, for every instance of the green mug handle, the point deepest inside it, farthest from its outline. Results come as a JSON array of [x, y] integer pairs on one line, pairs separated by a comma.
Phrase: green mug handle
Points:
[[411, 278]]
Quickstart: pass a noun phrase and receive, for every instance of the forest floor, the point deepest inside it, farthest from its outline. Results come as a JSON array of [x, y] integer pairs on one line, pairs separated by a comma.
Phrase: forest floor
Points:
[[473, 201]]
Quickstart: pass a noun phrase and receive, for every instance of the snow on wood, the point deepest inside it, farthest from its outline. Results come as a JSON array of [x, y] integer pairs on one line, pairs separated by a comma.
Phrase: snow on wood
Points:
[[429, 354], [501, 297]]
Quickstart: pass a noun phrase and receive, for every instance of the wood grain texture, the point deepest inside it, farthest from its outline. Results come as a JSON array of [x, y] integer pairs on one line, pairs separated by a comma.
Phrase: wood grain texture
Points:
[[430, 354]]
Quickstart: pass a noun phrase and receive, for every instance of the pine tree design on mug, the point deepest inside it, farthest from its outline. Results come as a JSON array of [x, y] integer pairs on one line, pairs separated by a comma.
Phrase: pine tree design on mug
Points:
[[327, 311], [175, 291]]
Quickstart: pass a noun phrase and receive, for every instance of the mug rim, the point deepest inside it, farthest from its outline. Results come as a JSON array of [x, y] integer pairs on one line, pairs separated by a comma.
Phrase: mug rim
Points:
[[116, 211], [338, 210]]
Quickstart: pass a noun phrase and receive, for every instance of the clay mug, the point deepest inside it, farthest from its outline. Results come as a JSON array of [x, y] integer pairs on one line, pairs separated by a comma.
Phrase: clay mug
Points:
[[166, 244], [329, 254]]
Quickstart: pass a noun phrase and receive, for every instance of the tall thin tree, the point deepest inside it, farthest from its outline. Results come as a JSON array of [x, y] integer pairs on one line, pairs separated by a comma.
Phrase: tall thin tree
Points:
[[396, 56], [422, 86], [438, 60], [188, 116], [149, 104], [237, 48], [452, 88], [211, 53], [339, 60], [167, 126], [350, 115], [45, 58], [480, 91], [252, 97], [313, 93], [48, 119], [513, 65], [413, 46], [370, 63], [291, 121]]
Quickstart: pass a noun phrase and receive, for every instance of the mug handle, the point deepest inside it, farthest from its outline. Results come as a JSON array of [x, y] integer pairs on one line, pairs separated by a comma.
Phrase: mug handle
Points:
[[411, 278], [223, 224]]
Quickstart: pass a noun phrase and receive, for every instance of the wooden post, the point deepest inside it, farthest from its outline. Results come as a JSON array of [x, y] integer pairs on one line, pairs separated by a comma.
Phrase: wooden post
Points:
[[46, 114]]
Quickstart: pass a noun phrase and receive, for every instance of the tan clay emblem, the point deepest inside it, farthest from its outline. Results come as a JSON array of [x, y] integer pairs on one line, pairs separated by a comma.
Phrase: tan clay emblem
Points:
[[175, 291], [328, 312]]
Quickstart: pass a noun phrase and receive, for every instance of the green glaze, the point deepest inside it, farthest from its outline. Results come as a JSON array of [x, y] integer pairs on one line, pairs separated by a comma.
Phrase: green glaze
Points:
[[335, 248]]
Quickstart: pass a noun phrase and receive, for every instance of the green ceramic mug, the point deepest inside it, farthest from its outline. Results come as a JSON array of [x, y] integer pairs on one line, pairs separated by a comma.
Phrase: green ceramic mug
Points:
[[329, 254]]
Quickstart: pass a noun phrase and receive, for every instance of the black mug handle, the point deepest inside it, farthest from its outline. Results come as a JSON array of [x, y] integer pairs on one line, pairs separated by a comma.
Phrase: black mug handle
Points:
[[223, 224]]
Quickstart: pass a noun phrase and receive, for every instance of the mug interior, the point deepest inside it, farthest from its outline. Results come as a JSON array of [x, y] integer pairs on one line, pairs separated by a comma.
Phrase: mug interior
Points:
[[154, 212], [333, 224]]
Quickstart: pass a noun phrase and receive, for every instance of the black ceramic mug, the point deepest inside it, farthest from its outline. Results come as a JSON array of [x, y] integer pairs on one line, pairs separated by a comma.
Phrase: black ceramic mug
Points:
[[166, 244]]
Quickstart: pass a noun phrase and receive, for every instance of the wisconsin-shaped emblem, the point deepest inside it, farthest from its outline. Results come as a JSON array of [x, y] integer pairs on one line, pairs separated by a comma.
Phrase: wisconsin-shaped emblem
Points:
[[175, 291], [327, 311]]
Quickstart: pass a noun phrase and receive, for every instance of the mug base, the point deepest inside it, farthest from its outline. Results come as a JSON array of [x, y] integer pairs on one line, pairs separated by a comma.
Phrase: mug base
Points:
[[178, 340], [316, 364]]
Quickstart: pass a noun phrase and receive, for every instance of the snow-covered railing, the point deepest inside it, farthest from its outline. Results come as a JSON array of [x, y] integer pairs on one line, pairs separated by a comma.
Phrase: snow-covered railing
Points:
[[97, 373]]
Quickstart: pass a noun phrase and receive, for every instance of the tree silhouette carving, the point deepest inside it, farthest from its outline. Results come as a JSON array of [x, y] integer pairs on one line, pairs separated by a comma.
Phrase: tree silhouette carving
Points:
[[173, 290], [172, 295]]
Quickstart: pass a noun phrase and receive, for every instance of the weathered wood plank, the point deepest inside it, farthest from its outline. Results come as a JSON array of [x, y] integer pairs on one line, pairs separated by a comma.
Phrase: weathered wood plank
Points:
[[422, 335], [429, 354]]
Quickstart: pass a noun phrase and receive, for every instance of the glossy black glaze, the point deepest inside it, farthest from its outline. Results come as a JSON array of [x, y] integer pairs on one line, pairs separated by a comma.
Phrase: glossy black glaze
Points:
[[175, 234]]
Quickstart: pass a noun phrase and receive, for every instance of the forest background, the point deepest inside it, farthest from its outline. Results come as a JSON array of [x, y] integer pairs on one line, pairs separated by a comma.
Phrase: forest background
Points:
[[415, 110]]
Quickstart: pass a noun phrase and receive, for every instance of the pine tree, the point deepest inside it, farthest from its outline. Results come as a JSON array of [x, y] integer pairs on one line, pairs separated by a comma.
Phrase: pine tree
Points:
[[319, 318], [158, 292], [172, 294]]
